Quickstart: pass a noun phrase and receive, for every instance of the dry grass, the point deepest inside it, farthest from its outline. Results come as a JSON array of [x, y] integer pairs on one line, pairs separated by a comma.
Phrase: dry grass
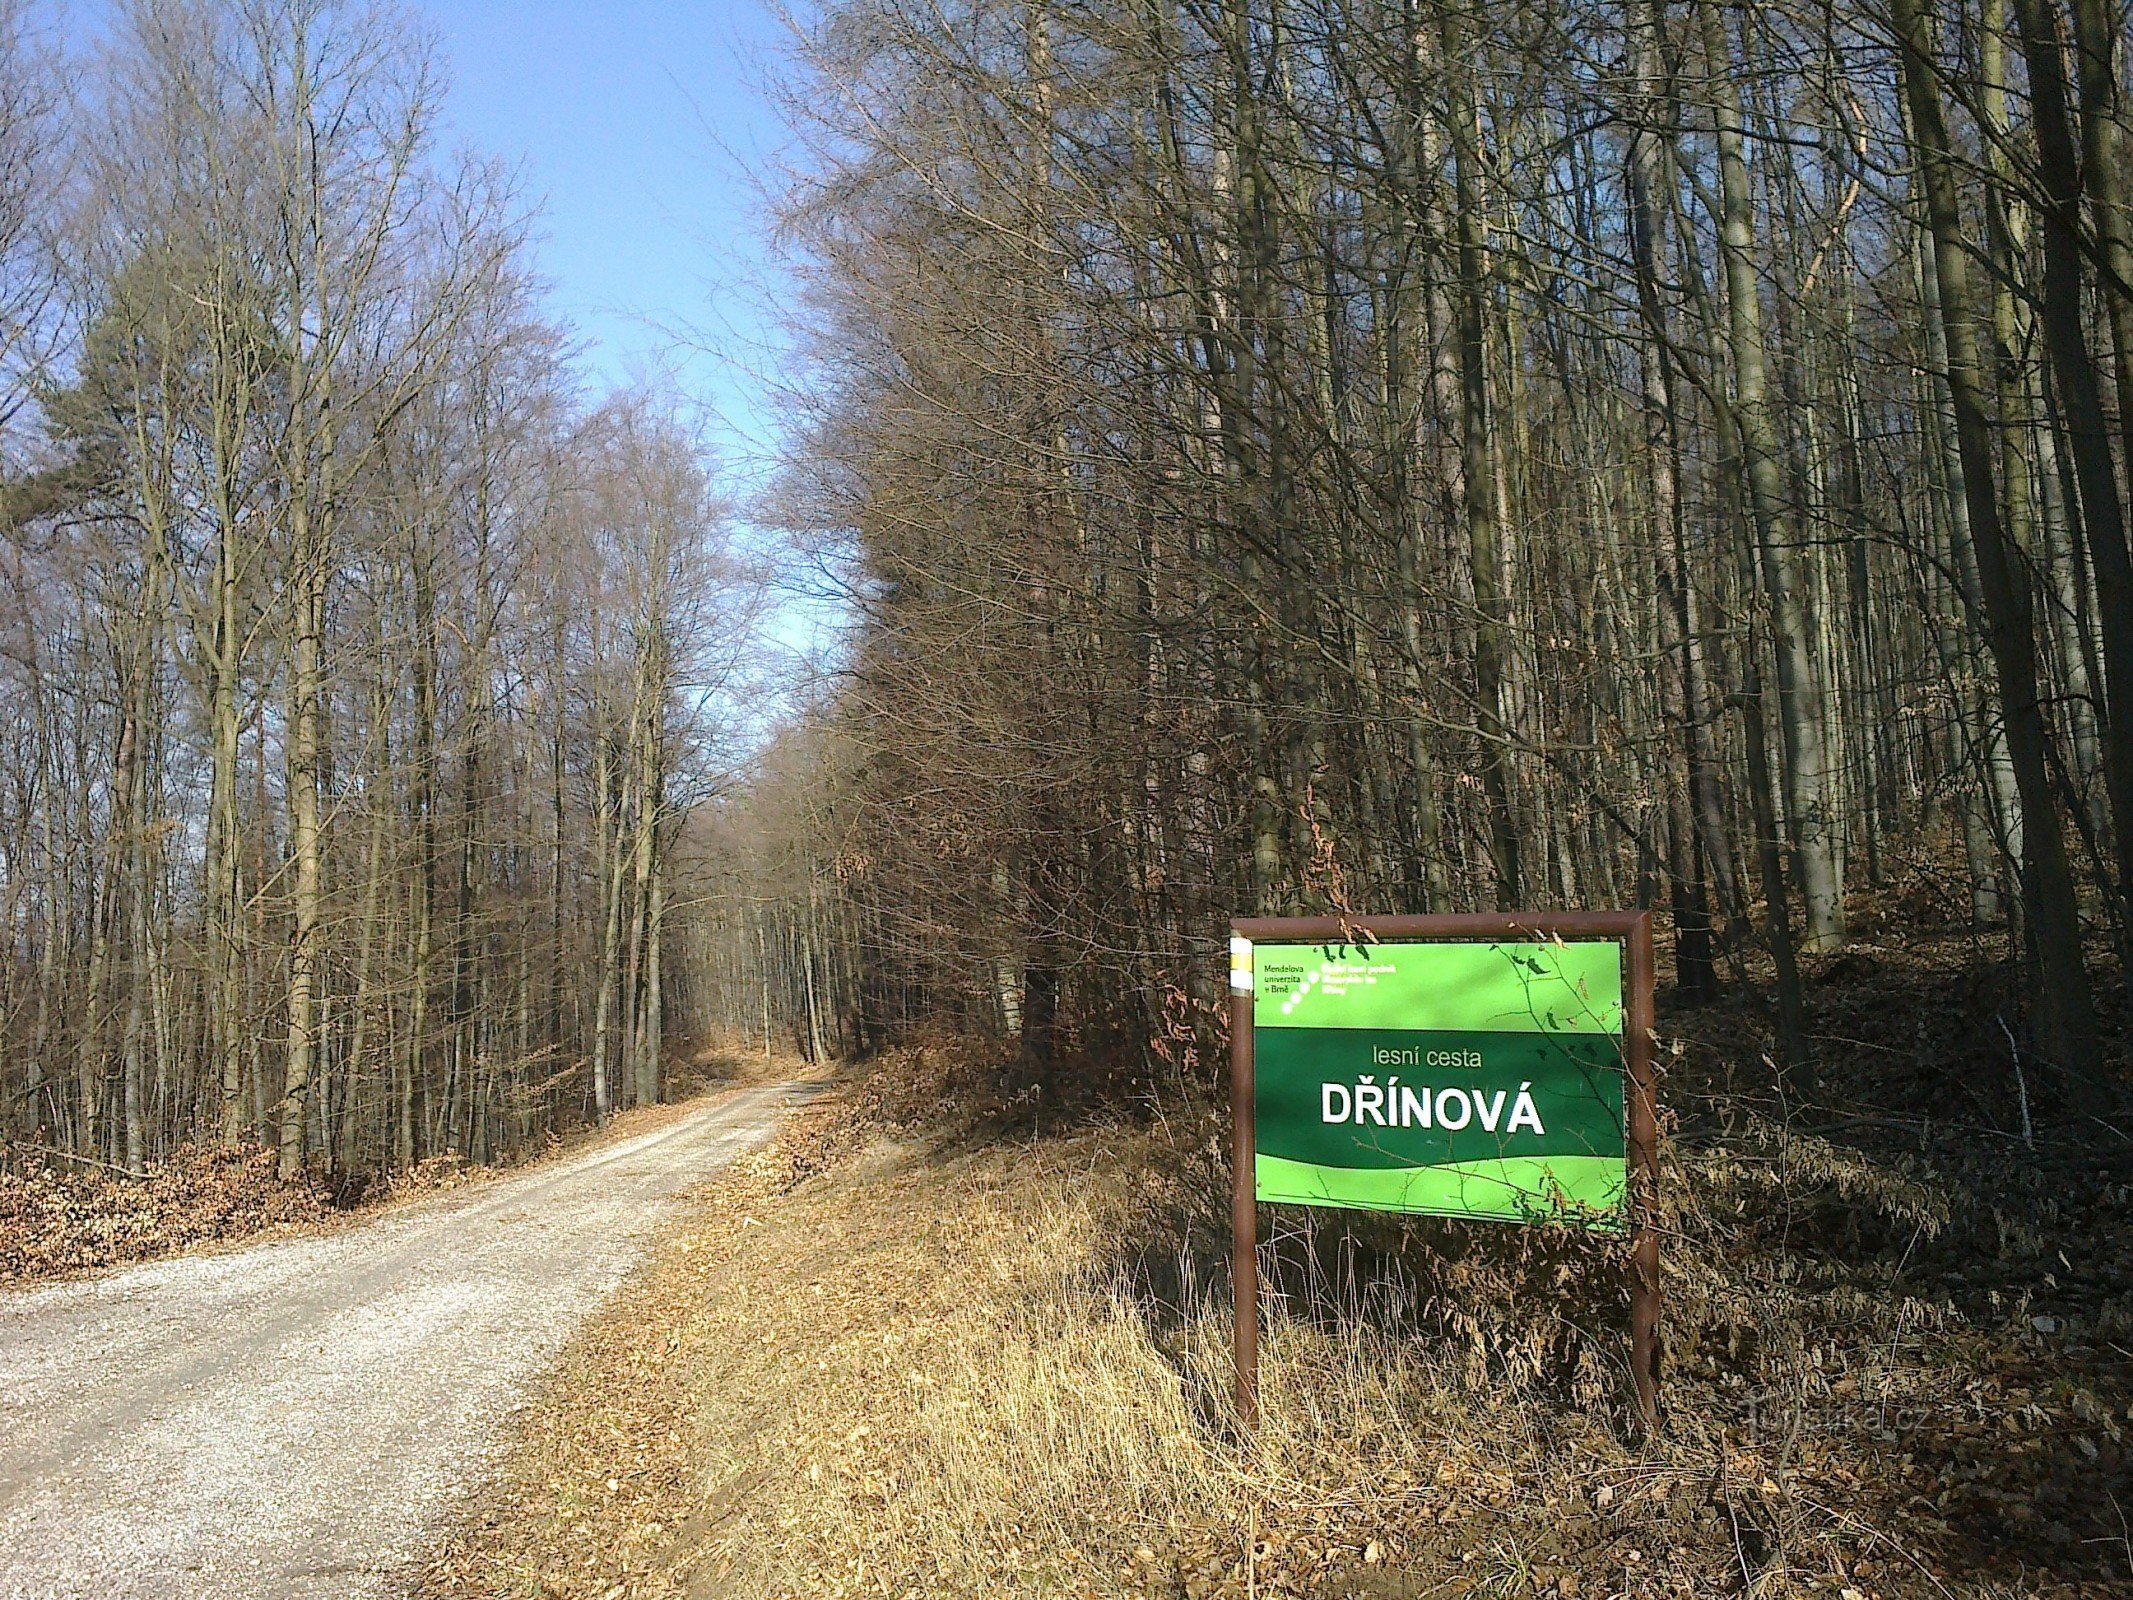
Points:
[[906, 1357], [927, 1372]]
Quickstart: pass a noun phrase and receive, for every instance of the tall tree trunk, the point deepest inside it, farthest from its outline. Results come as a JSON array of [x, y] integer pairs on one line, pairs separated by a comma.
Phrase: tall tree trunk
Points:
[[2102, 510], [223, 868], [1802, 712], [1684, 697], [1478, 466], [650, 1088], [2065, 1018], [306, 846], [612, 861]]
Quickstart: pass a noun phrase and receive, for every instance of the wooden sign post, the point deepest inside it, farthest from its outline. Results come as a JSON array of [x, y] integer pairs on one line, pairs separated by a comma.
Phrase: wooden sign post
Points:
[[1493, 1066]]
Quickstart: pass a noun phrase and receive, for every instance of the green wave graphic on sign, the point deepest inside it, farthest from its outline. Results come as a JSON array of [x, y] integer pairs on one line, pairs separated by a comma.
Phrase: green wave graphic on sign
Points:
[[1541, 987], [1587, 1190]]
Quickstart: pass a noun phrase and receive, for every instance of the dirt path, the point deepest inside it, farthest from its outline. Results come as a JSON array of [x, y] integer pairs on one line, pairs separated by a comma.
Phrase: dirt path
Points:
[[292, 1419]]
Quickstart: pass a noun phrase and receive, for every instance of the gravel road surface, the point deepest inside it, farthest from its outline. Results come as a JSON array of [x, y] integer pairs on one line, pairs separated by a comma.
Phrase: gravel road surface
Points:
[[293, 1419]]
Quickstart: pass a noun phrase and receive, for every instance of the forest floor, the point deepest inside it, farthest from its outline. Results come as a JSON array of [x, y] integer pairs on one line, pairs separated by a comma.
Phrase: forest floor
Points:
[[61, 1217], [938, 1340], [294, 1418]]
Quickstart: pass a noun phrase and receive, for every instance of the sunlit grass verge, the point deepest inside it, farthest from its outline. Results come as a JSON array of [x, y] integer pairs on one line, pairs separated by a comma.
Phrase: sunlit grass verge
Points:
[[913, 1364]]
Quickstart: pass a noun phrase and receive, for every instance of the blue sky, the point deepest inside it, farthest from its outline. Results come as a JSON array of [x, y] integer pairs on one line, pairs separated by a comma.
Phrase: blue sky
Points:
[[638, 130], [635, 126]]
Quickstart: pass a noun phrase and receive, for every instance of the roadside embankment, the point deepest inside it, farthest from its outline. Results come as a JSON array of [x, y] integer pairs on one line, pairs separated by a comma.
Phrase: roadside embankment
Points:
[[918, 1348], [63, 1215]]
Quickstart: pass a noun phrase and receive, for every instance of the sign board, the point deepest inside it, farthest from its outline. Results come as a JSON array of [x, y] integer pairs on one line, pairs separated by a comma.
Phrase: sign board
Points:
[[1493, 1066], [1480, 1080]]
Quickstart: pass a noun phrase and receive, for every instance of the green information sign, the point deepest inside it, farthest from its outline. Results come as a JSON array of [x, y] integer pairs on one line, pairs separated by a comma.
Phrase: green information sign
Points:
[[1475, 1079]]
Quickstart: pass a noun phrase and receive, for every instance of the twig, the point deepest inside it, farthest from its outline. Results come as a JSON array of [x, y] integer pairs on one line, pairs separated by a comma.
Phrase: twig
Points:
[[1740, 1548], [69, 1155], [2014, 1052], [1875, 1535]]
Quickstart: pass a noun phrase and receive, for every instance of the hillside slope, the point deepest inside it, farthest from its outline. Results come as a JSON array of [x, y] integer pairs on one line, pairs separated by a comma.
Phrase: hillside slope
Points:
[[918, 1349]]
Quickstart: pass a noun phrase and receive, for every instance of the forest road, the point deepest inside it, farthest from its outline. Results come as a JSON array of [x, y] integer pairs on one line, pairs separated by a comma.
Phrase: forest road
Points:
[[294, 1419]]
